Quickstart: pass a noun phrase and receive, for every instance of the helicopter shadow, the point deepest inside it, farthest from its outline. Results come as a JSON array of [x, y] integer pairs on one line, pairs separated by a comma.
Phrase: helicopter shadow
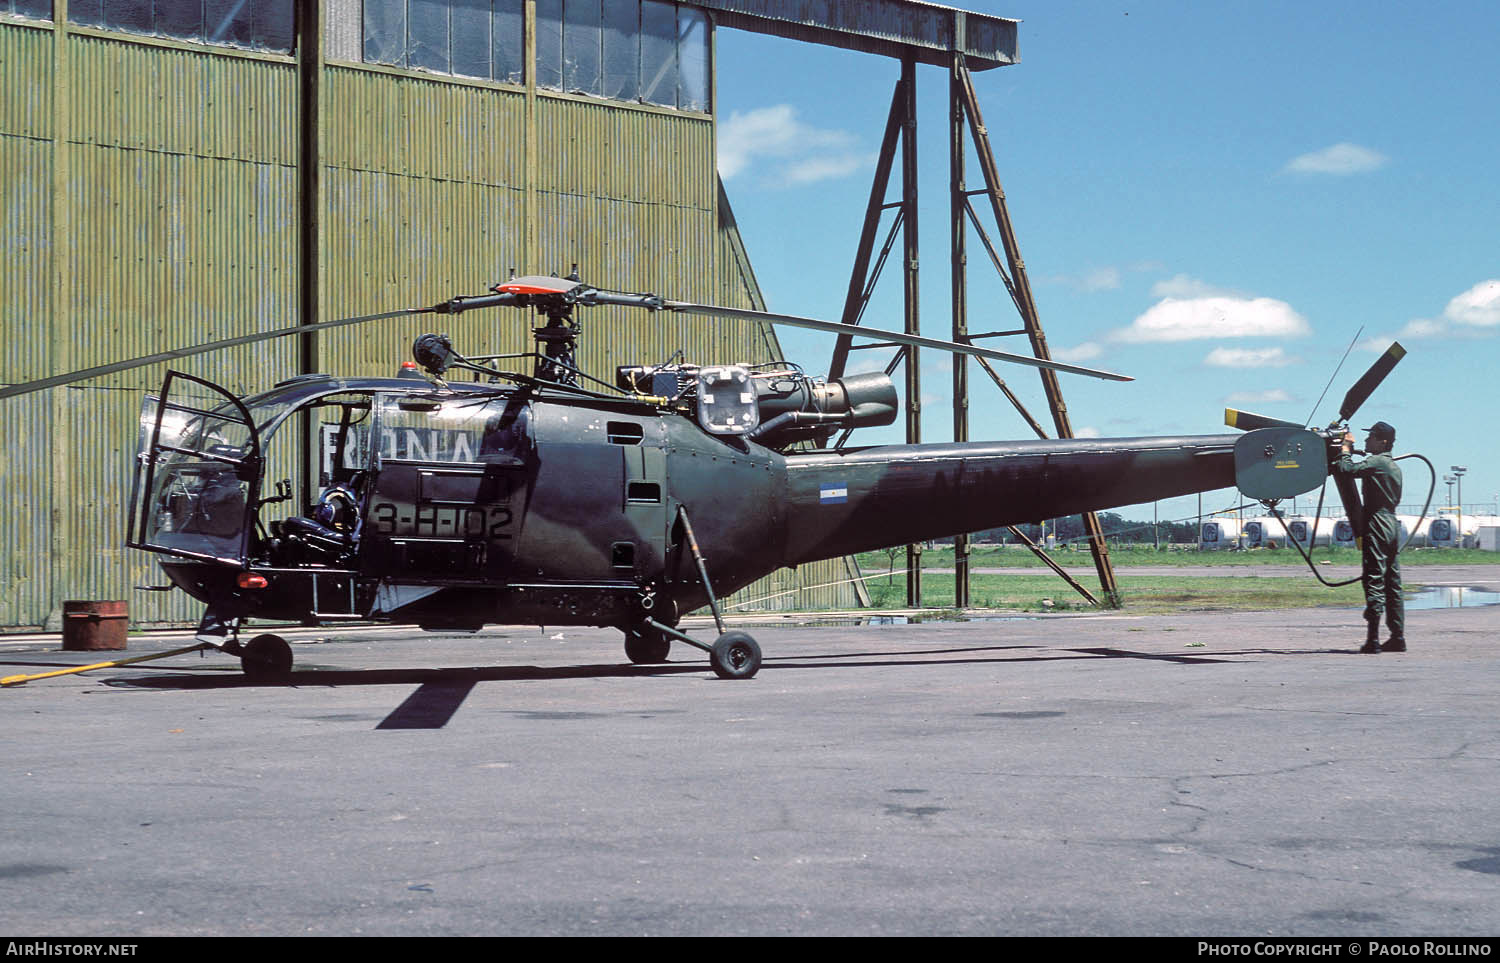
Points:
[[441, 692], [438, 696]]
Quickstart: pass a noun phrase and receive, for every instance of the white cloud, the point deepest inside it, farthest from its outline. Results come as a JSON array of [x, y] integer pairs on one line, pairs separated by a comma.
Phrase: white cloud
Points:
[[809, 170], [1258, 397], [1249, 358], [1472, 314], [782, 151], [1422, 328], [1177, 319], [1377, 344], [865, 363], [1086, 351], [1101, 279], [1182, 286], [1086, 432], [1480, 305], [1339, 159], [1107, 278]]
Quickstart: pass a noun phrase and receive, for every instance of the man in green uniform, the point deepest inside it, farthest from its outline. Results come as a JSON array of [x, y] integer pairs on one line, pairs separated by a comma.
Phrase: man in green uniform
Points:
[[1380, 490]]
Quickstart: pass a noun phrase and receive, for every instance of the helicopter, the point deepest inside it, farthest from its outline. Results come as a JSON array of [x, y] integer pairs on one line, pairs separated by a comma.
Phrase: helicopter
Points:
[[556, 498]]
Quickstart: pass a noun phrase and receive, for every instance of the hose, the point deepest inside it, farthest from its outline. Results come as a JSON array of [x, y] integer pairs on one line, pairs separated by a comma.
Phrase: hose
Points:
[[1431, 487]]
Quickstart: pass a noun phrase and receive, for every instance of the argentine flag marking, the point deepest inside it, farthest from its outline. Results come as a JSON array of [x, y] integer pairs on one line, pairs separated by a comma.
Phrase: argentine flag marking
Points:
[[836, 494]]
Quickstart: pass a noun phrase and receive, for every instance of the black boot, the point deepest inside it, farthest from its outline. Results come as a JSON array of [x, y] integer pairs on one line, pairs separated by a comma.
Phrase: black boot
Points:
[[1372, 637], [1396, 644]]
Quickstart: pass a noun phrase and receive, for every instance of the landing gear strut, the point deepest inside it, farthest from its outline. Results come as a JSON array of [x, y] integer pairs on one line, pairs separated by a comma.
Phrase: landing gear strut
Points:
[[734, 655]]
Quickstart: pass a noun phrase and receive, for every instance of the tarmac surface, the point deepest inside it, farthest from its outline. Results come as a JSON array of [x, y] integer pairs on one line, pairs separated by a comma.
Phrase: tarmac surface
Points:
[[1206, 774]]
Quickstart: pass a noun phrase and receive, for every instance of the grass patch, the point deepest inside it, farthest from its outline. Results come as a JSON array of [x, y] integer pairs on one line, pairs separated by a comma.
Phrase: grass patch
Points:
[[1149, 594], [1014, 556]]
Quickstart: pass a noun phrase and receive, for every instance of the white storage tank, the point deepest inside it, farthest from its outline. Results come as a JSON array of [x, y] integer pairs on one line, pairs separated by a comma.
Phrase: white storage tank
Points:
[[1417, 524], [1216, 534], [1261, 530], [1309, 535], [1443, 532]]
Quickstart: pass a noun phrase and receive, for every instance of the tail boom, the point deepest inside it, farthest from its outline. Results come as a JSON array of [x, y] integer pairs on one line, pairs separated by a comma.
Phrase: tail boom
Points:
[[847, 502]]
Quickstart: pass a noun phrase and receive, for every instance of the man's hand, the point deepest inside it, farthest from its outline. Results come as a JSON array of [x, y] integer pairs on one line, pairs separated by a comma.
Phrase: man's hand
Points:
[[1348, 443]]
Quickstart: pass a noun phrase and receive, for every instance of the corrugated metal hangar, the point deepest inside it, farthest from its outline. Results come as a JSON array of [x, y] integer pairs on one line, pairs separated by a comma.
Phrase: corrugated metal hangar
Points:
[[179, 171]]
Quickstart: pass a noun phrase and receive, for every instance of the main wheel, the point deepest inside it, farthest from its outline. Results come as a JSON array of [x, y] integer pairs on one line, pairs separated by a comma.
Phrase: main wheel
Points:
[[643, 644], [267, 658], [735, 656]]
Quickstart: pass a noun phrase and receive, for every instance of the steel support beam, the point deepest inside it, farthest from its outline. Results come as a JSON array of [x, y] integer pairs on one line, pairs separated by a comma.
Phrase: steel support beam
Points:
[[900, 131], [910, 259], [924, 32], [860, 279], [1021, 291], [959, 277], [310, 19]]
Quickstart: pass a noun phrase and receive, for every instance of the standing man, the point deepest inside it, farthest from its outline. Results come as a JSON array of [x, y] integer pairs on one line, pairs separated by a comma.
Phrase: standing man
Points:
[[1381, 492]]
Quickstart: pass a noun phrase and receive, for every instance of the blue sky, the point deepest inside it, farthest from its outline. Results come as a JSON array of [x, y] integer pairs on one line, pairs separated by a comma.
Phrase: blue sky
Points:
[[1210, 197]]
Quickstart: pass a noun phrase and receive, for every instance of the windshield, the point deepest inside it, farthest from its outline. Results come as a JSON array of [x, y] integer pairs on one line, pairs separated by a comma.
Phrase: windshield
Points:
[[201, 462]]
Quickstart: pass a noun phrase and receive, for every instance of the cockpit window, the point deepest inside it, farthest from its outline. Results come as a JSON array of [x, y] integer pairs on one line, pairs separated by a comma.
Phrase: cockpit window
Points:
[[345, 427], [446, 430]]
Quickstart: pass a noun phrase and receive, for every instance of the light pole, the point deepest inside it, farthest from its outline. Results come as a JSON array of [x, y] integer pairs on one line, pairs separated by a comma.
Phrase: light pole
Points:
[[1459, 471], [1450, 480]]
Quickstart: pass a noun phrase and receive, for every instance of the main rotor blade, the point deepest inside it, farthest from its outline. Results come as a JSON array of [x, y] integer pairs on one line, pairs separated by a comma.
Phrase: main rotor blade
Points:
[[99, 371], [913, 340], [1371, 380], [1250, 421]]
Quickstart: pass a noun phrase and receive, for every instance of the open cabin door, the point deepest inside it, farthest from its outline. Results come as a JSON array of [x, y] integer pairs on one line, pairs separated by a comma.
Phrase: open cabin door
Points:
[[197, 474]]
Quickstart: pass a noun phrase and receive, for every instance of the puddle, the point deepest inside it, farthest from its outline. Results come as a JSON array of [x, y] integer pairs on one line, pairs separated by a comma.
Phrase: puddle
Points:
[[1451, 597], [919, 619]]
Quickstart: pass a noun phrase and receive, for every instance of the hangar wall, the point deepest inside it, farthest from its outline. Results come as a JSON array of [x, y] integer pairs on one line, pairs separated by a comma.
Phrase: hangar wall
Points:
[[152, 192]]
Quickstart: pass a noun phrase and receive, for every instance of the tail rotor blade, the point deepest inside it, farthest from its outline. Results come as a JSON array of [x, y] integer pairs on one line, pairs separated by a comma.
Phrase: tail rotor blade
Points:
[[1370, 380], [1250, 421]]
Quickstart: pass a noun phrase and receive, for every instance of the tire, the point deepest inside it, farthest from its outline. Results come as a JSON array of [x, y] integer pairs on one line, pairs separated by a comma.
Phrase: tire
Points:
[[735, 656], [646, 646], [267, 658]]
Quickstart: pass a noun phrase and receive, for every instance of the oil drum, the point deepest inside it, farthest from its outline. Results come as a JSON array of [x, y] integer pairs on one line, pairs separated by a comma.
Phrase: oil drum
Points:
[[95, 626]]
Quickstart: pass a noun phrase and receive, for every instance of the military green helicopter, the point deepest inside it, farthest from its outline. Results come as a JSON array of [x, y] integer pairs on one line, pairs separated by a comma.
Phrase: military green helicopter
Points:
[[555, 498]]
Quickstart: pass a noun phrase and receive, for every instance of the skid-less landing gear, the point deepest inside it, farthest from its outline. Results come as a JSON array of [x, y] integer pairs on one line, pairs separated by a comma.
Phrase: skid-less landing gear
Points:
[[734, 655]]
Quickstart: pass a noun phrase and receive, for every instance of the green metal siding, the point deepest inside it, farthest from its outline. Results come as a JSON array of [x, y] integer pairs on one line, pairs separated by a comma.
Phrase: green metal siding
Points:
[[26, 96], [149, 96], [178, 196]]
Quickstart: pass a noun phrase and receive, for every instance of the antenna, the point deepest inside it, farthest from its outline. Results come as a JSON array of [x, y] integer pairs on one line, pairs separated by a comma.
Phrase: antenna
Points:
[[1335, 374]]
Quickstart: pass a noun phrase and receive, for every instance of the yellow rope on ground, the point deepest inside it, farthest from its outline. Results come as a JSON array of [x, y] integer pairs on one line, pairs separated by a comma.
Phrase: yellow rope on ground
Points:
[[19, 679]]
